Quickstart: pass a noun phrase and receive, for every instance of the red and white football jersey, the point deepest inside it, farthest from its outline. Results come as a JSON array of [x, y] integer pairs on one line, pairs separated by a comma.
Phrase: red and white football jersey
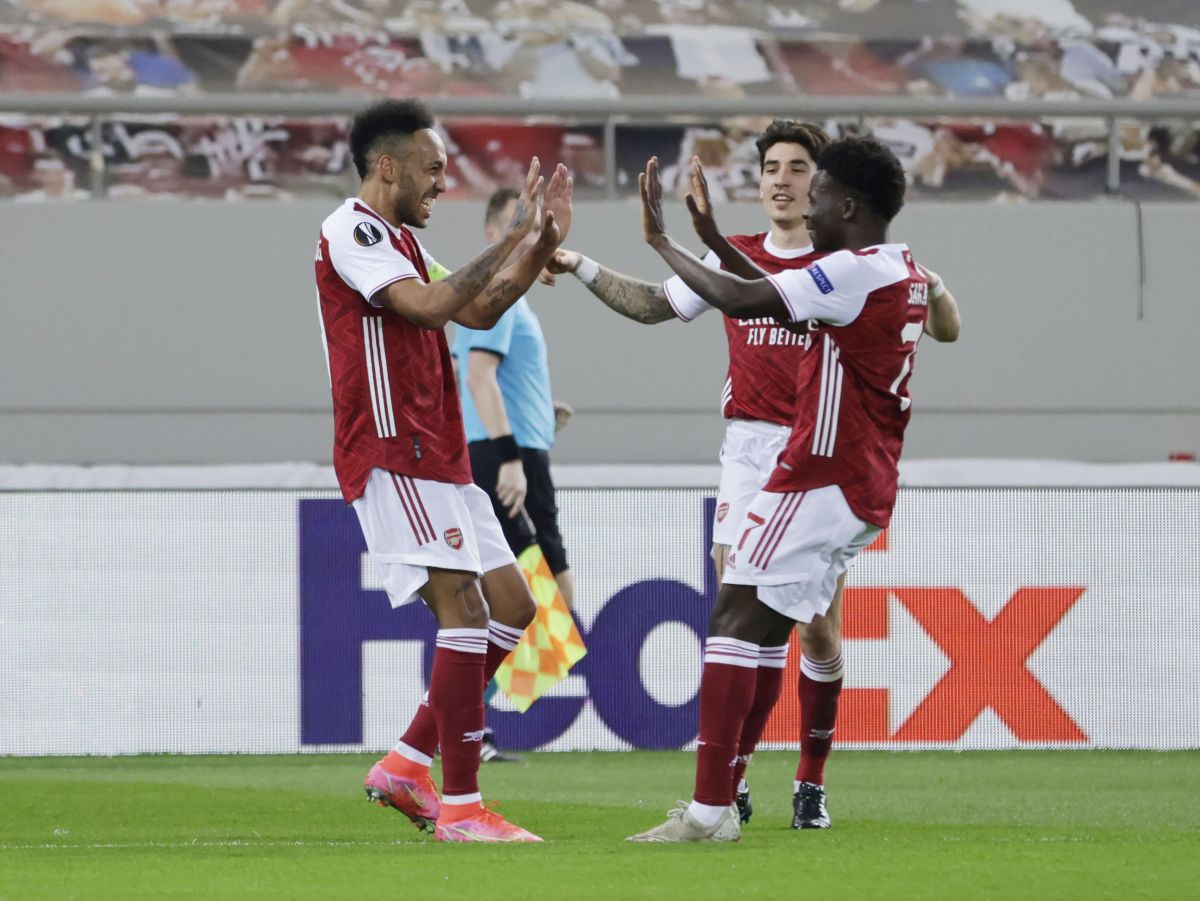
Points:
[[395, 403], [870, 307], [763, 355]]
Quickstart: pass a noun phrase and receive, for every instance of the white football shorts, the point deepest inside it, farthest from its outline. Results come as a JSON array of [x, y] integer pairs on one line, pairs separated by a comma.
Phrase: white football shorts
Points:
[[748, 457], [794, 547], [414, 524]]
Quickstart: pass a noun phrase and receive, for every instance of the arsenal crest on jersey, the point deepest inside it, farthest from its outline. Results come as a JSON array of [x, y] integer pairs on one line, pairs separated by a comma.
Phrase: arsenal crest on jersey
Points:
[[367, 234], [454, 538], [722, 511]]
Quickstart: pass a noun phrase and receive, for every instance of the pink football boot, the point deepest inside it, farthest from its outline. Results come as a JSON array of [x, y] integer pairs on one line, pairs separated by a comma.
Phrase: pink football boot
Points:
[[485, 826], [414, 796]]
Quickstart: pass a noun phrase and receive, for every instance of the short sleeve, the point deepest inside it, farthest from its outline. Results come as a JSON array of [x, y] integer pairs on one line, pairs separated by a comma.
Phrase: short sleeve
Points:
[[686, 303], [497, 339], [834, 289], [364, 257]]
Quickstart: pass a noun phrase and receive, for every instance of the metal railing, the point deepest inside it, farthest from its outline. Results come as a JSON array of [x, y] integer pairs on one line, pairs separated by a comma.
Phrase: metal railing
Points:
[[610, 113]]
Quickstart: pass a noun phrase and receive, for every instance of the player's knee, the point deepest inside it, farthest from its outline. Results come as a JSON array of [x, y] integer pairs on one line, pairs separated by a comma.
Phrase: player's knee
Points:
[[524, 610], [508, 595], [821, 639]]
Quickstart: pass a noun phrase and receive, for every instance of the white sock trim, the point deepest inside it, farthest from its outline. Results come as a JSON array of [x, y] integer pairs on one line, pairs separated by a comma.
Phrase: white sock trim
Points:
[[773, 658], [468, 641], [823, 670], [473, 798], [408, 752], [503, 636], [706, 814], [731, 652]]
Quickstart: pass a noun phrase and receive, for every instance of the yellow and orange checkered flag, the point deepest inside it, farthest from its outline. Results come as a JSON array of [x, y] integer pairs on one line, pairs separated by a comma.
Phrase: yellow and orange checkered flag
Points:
[[551, 644]]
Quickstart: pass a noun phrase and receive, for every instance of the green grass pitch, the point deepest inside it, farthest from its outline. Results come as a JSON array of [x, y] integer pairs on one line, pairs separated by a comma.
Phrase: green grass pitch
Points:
[[921, 825]]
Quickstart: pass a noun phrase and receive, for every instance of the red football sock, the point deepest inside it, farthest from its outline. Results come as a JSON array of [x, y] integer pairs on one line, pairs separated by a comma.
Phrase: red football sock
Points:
[[767, 687], [820, 685], [727, 686], [456, 697], [422, 735]]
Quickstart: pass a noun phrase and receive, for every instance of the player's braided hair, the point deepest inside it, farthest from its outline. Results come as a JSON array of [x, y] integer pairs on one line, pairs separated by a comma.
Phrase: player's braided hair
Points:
[[791, 131], [869, 169], [384, 121]]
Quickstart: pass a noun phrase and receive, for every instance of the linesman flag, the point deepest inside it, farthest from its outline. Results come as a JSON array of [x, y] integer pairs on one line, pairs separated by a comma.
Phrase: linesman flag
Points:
[[551, 644]]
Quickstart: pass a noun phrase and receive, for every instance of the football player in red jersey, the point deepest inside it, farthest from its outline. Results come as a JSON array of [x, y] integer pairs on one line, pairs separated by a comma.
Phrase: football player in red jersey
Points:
[[865, 305], [759, 401], [759, 395], [399, 447]]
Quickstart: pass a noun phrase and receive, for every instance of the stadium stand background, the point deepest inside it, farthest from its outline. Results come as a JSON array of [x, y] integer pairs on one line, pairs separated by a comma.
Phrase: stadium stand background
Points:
[[202, 348]]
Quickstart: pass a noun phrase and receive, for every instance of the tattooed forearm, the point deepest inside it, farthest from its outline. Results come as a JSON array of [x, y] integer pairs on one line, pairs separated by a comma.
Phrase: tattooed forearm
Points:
[[501, 293], [472, 278], [631, 297]]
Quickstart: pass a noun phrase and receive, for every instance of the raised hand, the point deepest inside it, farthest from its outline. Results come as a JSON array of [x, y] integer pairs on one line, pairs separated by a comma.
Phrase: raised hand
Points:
[[525, 211], [557, 205], [700, 205], [650, 186]]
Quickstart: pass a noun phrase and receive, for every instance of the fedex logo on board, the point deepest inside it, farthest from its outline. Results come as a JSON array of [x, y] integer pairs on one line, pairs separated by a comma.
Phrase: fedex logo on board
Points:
[[981, 663], [987, 668]]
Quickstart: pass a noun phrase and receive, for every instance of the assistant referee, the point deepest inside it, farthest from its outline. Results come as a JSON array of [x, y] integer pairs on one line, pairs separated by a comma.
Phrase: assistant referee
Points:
[[510, 418]]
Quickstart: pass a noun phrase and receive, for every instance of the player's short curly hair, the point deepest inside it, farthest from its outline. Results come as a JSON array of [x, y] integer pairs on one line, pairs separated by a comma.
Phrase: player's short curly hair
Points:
[[870, 170], [384, 121], [791, 131]]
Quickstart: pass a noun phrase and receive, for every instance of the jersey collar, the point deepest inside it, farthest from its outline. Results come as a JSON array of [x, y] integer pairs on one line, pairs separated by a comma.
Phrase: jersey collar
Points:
[[784, 253]]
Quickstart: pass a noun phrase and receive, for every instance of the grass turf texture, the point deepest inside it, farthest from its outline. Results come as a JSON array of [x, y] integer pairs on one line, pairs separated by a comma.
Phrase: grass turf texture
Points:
[[924, 825]]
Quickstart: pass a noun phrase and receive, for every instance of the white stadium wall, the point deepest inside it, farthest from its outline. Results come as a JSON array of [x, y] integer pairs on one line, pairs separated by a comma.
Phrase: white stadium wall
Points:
[[251, 621], [173, 332]]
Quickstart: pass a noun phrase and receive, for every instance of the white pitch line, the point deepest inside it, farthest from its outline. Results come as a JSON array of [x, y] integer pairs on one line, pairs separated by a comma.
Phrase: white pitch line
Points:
[[130, 846]]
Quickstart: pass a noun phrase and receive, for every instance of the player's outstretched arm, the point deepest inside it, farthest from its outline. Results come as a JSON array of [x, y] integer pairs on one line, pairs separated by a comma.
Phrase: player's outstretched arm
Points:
[[704, 222], [433, 305], [943, 322], [631, 297], [511, 284], [737, 297]]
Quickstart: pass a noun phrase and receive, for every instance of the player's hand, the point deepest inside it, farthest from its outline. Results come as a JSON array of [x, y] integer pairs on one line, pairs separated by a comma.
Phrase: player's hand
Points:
[[548, 234], [932, 277], [564, 262], [653, 227], [557, 204], [511, 487], [546, 277], [563, 412], [525, 212], [700, 205]]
